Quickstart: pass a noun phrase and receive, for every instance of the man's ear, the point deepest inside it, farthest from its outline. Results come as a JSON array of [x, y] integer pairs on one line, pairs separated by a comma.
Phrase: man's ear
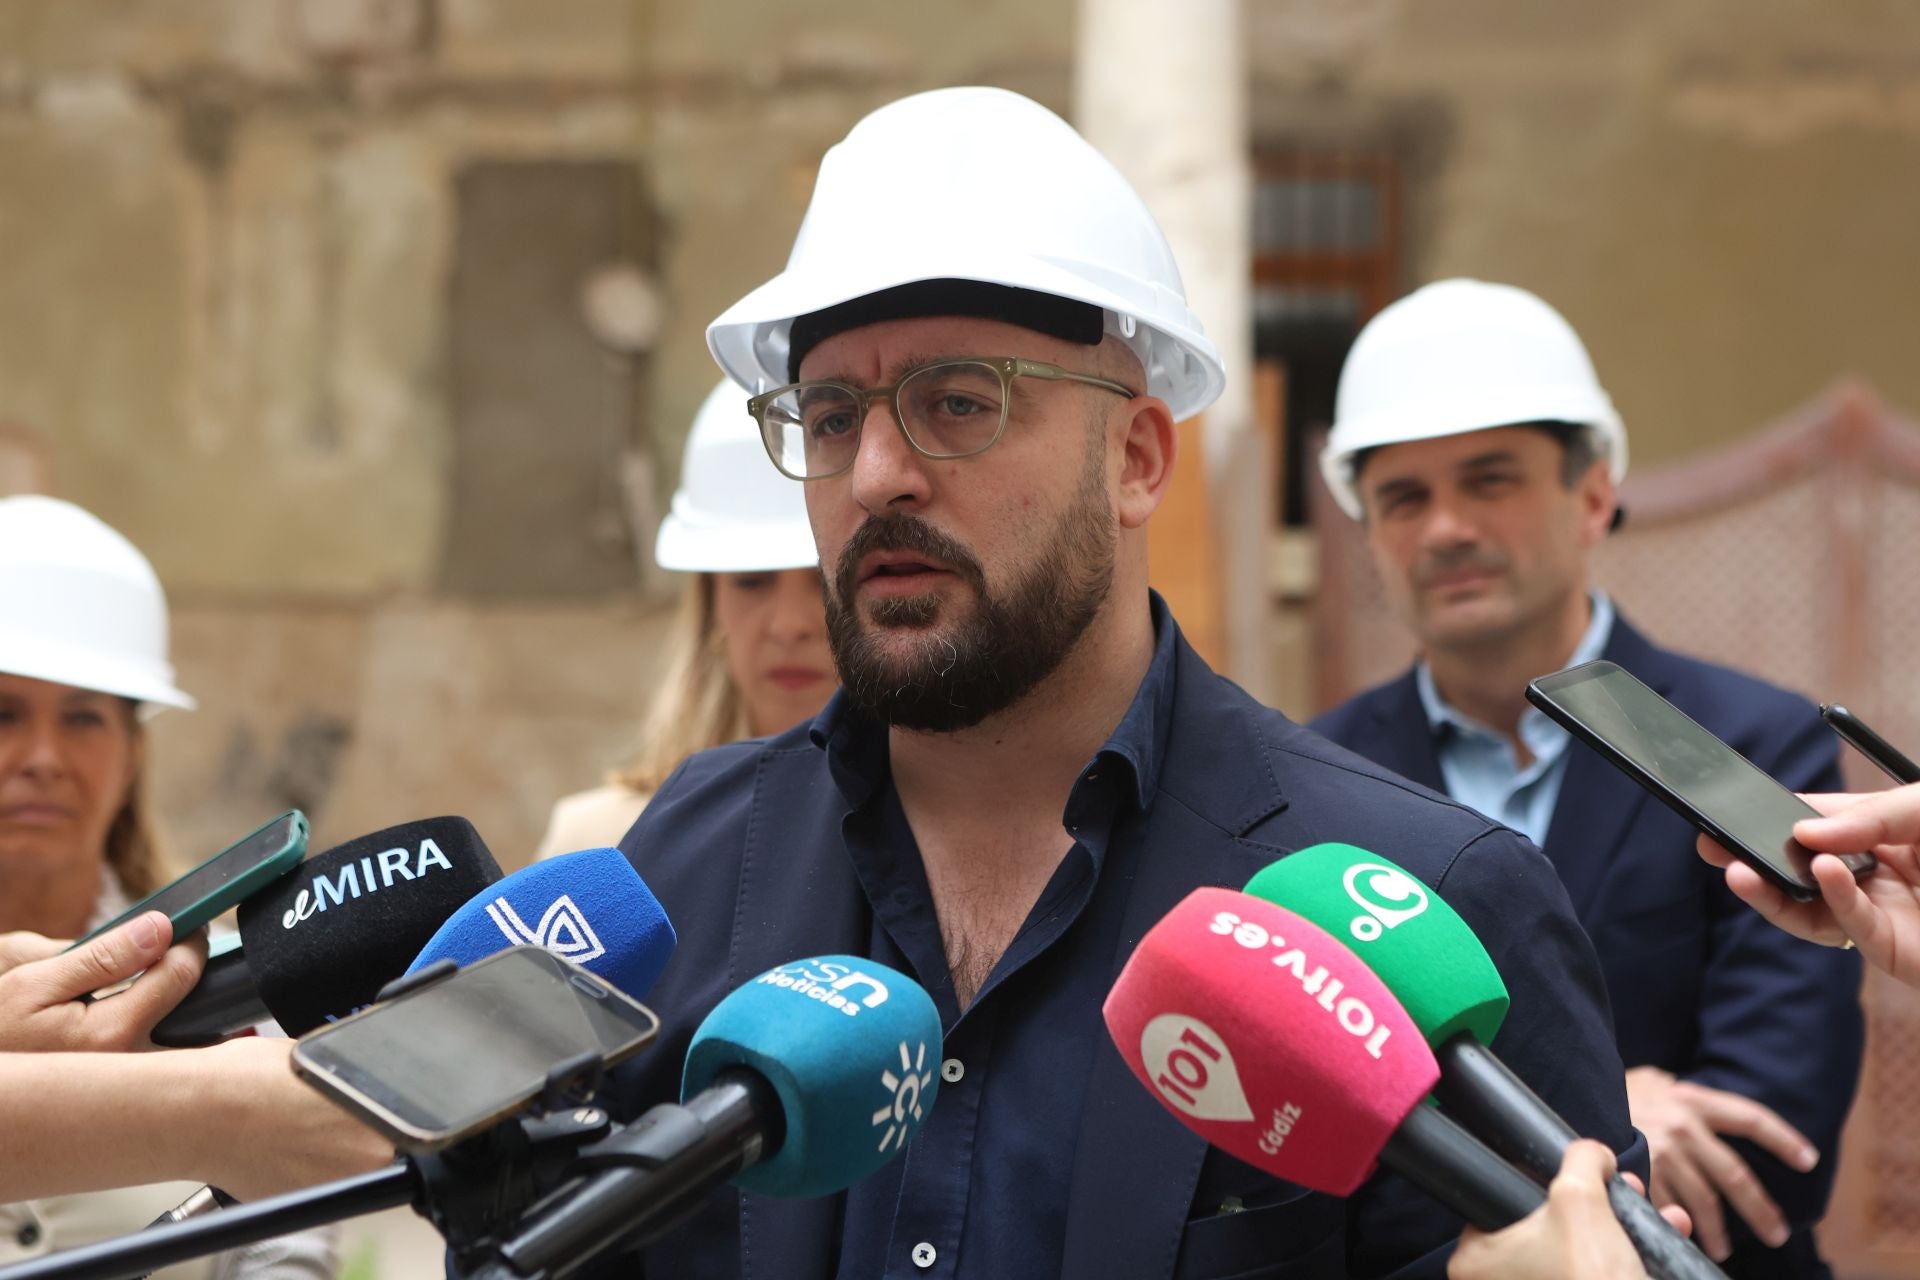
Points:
[[1149, 447], [1599, 500]]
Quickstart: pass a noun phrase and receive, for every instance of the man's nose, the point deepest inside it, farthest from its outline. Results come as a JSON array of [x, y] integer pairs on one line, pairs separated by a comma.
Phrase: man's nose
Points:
[[887, 473], [1447, 525]]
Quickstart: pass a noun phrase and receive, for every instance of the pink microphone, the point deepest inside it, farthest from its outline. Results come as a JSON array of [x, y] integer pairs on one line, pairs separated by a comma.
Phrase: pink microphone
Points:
[[1267, 1037]]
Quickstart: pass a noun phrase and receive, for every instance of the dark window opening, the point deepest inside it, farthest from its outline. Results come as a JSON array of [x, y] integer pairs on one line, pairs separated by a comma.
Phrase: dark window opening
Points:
[[1326, 230]]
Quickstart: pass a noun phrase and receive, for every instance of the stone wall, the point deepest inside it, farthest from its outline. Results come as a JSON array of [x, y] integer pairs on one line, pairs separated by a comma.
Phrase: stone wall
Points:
[[232, 237]]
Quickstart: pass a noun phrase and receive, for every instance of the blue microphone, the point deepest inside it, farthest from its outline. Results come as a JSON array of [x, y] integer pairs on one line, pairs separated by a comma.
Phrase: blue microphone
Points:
[[852, 1051], [589, 907], [801, 1082]]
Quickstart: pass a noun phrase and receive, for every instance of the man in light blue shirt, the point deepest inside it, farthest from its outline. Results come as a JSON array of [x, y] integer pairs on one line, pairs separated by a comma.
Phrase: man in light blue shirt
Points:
[[1474, 443], [1489, 771]]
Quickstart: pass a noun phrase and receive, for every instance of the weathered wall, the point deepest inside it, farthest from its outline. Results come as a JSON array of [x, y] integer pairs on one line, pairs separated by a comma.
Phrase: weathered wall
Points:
[[1720, 195], [230, 232]]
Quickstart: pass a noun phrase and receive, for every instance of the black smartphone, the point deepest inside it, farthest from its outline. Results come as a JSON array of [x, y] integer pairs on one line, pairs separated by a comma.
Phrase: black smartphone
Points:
[[1698, 776], [1860, 736], [447, 1060], [226, 879]]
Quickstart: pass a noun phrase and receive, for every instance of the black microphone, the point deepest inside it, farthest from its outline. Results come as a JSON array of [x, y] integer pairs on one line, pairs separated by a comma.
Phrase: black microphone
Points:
[[321, 941], [799, 1083]]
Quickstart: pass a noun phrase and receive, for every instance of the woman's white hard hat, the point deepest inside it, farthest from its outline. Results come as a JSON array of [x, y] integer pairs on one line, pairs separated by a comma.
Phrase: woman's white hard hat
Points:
[[79, 604], [983, 185], [1459, 356], [733, 512]]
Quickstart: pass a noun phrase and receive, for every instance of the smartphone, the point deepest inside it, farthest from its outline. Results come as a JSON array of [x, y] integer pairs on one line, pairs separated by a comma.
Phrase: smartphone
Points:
[[442, 1062], [1698, 776], [1861, 737], [226, 879]]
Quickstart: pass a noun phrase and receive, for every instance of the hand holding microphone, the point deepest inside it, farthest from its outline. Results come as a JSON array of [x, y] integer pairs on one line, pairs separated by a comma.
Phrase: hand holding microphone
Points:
[[1436, 967], [321, 941], [1264, 1035], [590, 907], [1571, 1237]]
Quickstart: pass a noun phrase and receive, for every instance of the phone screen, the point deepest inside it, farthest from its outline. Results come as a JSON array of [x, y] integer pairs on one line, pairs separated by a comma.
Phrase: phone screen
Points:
[[432, 1065], [1720, 784], [225, 879]]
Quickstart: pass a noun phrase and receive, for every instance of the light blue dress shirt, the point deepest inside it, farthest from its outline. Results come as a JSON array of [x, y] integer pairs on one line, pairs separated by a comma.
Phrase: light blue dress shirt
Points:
[[1478, 765]]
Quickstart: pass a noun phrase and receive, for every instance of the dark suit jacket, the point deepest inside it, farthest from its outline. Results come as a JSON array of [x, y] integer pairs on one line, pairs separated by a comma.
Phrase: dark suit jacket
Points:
[[743, 848], [1701, 986]]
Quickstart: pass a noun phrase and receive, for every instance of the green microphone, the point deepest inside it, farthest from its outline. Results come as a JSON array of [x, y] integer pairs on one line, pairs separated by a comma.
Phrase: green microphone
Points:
[[1430, 959]]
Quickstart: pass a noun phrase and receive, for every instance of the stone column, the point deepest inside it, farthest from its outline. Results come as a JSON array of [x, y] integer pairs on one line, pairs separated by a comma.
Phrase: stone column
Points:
[[1160, 86]]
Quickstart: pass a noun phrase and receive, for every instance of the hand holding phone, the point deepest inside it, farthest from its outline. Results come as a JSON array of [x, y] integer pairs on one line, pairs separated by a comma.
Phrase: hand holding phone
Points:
[[225, 880], [1692, 772], [43, 988]]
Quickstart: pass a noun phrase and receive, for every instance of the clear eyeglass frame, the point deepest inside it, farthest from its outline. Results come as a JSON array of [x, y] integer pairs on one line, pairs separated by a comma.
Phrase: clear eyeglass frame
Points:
[[1006, 367]]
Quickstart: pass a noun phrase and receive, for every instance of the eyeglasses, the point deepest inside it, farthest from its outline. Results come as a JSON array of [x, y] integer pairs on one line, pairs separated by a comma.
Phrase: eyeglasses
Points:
[[947, 409]]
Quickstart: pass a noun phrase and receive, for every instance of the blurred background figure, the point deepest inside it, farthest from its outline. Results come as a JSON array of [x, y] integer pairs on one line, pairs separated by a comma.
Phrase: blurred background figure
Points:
[[748, 653], [83, 658], [1478, 451]]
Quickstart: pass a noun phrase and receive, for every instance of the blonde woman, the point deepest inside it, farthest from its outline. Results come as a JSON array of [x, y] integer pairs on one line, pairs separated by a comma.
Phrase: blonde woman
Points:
[[83, 662], [748, 655]]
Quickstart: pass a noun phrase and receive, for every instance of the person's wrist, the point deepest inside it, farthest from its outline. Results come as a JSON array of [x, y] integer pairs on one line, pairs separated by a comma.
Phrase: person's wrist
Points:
[[212, 1109]]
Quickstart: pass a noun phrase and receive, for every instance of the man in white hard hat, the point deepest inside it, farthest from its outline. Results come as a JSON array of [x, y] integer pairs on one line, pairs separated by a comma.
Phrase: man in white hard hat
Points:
[[1474, 442], [974, 362]]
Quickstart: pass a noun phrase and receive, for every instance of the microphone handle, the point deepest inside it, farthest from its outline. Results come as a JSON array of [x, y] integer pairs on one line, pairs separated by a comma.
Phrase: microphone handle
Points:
[[1484, 1095], [224, 1002], [679, 1152], [1461, 1172]]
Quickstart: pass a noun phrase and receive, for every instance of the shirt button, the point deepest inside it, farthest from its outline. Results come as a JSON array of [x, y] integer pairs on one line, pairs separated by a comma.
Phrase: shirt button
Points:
[[951, 1071], [924, 1255], [28, 1235]]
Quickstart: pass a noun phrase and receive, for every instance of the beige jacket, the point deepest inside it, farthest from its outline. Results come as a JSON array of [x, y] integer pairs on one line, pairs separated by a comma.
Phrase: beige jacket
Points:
[[593, 819]]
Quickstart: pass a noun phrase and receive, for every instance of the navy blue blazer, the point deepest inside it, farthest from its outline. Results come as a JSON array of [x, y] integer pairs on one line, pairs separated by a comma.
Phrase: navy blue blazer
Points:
[[1701, 986], [743, 847]]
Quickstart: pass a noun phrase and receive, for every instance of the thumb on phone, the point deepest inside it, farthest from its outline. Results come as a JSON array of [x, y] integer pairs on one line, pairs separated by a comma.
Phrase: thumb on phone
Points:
[[112, 957]]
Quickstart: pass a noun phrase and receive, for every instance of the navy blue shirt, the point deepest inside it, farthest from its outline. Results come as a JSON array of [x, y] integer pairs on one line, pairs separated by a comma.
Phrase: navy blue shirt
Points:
[[1042, 1155], [980, 1157]]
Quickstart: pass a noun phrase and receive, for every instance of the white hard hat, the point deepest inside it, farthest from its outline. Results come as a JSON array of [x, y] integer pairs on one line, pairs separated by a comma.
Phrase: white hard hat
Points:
[[1459, 356], [982, 185], [79, 604], [733, 512]]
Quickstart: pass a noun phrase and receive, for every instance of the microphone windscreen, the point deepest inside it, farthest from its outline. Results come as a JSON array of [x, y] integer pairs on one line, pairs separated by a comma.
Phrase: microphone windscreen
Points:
[[322, 941], [1269, 1039], [851, 1047], [1407, 934], [590, 907]]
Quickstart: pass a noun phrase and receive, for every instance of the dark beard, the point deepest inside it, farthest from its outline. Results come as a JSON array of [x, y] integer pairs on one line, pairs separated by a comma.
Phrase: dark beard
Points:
[[995, 656]]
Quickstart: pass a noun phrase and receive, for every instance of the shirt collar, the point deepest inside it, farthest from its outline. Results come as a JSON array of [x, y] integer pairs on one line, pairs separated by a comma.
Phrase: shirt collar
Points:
[[1441, 716], [856, 743]]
